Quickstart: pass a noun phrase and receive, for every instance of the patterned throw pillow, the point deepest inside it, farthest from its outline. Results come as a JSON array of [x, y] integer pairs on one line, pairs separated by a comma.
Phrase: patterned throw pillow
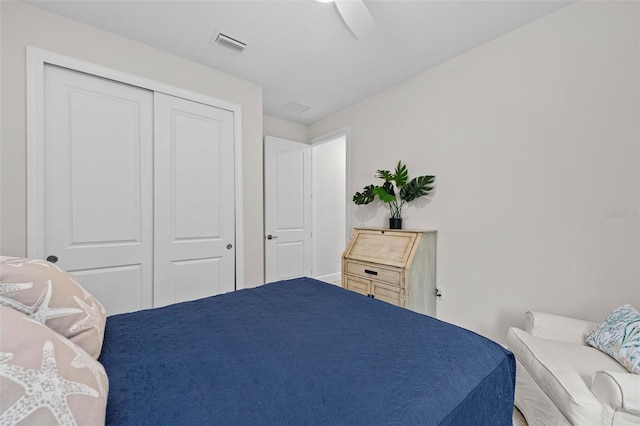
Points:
[[53, 297], [619, 336], [45, 378]]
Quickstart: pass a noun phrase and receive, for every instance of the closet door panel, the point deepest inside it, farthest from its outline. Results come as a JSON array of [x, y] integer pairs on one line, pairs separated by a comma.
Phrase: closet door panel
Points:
[[109, 285], [194, 200], [194, 277], [194, 151], [104, 160], [98, 185]]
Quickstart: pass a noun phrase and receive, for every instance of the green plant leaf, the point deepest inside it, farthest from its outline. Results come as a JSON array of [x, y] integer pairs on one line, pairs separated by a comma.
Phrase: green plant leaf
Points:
[[388, 187], [401, 176], [364, 197], [384, 174], [383, 193], [416, 188]]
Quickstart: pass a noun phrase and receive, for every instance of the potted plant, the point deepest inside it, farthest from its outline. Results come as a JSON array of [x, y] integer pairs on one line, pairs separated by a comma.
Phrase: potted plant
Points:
[[396, 190]]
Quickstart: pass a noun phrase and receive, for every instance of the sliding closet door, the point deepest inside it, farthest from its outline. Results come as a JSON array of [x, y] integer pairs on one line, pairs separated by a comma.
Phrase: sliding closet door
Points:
[[194, 200], [98, 155]]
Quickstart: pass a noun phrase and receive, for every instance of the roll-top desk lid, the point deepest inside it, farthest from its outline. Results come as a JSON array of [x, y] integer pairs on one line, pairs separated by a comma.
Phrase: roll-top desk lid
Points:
[[384, 246]]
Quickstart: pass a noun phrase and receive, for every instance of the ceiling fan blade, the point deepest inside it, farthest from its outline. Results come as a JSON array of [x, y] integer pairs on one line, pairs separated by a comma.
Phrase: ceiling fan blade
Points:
[[356, 16]]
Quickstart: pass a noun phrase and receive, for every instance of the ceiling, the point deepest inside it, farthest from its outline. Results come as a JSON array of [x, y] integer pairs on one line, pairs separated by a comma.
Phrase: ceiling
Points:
[[300, 50]]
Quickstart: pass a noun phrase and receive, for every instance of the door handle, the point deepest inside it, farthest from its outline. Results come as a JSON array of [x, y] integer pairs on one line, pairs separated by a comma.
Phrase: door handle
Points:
[[271, 237]]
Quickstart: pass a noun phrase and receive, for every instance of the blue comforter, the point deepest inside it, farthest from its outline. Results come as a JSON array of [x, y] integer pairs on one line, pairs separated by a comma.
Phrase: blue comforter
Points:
[[301, 352]]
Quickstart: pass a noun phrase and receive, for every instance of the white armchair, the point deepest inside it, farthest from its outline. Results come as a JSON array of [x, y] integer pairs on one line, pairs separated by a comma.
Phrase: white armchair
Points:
[[560, 380]]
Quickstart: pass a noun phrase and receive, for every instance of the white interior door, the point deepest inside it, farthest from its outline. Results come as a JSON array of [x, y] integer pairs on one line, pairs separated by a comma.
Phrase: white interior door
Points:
[[287, 168], [194, 200], [98, 218]]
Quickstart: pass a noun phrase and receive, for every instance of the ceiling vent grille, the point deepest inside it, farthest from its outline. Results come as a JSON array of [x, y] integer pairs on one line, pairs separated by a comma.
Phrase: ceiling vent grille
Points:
[[229, 42], [294, 107]]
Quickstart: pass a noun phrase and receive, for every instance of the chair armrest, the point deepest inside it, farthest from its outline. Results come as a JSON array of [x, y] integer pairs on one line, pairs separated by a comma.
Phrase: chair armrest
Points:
[[617, 390], [556, 327]]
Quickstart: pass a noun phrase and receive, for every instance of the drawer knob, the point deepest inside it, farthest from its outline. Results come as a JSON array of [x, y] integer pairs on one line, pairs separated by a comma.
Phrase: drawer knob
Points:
[[369, 271]]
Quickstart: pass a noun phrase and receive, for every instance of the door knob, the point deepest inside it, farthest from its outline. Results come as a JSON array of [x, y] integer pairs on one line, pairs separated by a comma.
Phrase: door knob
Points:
[[53, 258], [271, 237], [229, 246]]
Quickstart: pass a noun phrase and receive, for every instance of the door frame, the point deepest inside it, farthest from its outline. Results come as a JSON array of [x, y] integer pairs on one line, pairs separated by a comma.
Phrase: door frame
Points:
[[346, 132], [36, 61]]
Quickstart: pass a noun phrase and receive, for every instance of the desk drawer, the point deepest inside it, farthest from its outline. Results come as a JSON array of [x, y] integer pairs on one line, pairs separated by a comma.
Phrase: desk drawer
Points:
[[356, 284], [387, 293], [370, 271]]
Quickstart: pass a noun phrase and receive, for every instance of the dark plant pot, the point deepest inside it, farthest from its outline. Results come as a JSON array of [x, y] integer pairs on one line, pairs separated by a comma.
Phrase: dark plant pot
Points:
[[395, 223]]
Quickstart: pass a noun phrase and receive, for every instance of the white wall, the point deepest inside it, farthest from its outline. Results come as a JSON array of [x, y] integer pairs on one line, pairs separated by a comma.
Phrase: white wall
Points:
[[535, 140], [329, 206], [284, 129], [23, 25]]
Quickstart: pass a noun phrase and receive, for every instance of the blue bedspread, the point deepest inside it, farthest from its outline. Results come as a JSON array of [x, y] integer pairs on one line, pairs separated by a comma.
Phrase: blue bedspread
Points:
[[301, 352]]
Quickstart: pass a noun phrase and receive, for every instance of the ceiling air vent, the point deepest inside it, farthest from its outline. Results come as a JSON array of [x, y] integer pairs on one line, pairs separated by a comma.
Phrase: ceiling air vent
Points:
[[228, 41], [294, 107]]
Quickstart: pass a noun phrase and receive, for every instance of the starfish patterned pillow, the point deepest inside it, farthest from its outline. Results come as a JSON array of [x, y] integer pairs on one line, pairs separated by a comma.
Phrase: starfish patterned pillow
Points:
[[54, 298], [45, 378]]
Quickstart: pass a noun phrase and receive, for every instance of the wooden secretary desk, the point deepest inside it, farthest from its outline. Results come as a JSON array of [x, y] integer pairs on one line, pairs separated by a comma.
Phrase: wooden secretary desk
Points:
[[393, 265]]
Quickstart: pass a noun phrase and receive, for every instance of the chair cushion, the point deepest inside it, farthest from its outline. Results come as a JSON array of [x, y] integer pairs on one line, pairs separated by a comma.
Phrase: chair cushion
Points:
[[620, 391], [563, 371], [557, 327], [619, 336]]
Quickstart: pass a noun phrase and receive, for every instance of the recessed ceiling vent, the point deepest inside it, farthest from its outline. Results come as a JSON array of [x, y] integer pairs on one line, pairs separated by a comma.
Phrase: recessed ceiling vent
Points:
[[294, 107], [228, 41]]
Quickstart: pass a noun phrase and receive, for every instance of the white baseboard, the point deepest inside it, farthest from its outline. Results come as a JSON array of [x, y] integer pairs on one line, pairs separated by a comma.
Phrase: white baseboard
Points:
[[330, 278]]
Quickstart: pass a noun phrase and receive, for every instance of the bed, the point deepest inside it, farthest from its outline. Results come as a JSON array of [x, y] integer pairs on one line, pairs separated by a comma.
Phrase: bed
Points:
[[292, 352], [301, 352]]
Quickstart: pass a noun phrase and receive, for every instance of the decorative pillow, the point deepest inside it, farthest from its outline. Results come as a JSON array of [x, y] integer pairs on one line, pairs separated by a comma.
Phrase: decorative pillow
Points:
[[53, 297], [45, 378], [619, 336]]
